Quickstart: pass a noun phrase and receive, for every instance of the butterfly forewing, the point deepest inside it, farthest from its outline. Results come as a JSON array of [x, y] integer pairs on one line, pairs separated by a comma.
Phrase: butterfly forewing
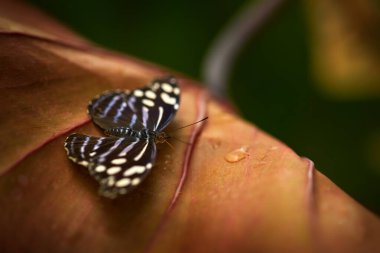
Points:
[[166, 102], [114, 109], [151, 107]]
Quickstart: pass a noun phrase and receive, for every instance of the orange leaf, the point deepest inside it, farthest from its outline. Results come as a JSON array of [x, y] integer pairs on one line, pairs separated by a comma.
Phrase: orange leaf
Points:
[[262, 197]]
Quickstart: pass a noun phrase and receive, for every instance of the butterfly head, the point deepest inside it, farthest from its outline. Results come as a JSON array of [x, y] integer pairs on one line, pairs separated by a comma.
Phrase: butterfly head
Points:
[[161, 137]]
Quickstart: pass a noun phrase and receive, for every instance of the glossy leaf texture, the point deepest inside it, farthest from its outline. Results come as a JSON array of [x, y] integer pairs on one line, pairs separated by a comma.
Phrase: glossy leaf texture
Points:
[[235, 189]]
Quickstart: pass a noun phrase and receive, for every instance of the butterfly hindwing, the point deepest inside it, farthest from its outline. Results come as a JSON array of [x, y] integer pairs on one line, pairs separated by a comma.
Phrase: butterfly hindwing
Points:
[[119, 164], [151, 107]]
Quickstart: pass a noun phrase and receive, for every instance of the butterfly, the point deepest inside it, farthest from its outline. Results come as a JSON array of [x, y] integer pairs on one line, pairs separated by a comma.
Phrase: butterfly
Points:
[[133, 122]]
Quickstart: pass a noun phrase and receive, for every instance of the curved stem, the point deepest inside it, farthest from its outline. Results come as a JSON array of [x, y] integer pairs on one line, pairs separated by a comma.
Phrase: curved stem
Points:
[[223, 52]]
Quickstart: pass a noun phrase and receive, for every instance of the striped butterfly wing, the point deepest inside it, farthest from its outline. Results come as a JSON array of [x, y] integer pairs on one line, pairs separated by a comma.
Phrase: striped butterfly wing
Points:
[[119, 164], [151, 107]]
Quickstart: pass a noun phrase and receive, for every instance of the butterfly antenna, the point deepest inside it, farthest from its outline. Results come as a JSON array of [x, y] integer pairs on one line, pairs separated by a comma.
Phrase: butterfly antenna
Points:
[[185, 142], [190, 124]]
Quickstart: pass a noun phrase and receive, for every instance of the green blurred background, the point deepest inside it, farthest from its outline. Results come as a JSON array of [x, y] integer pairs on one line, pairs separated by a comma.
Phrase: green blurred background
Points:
[[271, 83]]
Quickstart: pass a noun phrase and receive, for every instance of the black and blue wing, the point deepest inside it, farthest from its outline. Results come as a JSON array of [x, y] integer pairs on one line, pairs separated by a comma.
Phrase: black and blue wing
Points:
[[151, 107], [119, 164]]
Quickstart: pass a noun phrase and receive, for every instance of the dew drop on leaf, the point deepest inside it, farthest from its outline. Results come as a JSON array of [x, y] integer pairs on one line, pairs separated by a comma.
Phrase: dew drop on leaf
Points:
[[215, 143], [237, 154]]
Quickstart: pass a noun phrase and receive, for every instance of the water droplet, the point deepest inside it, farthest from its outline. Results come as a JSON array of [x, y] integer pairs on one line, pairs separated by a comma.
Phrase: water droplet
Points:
[[237, 154], [168, 160], [215, 143]]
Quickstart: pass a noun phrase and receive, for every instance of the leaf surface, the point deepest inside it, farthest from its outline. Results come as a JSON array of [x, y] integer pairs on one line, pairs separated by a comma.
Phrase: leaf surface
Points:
[[235, 189]]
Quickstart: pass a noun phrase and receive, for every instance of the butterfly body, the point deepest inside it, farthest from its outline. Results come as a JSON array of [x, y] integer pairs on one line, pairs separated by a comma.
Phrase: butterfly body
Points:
[[121, 132], [133, 122], [143, 134]]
